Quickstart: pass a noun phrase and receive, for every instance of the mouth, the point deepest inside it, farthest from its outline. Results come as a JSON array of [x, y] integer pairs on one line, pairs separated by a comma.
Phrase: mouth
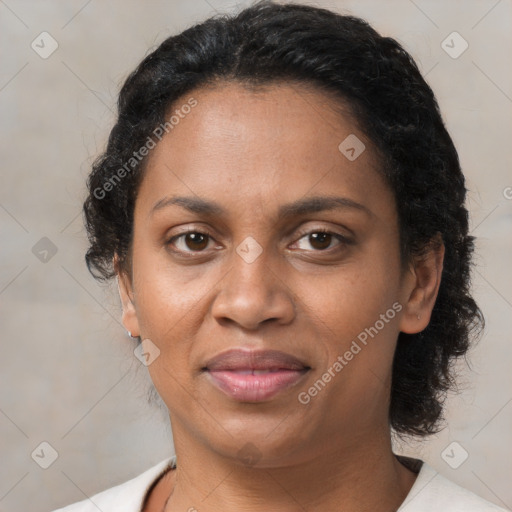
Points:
[[254, 376]]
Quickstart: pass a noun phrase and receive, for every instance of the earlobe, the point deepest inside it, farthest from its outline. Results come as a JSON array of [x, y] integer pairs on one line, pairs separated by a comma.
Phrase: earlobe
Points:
[[423, 287], [129, 315]]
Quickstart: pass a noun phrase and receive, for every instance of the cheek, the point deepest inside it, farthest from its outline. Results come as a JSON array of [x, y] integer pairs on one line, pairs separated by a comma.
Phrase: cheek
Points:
[[357, 312], [167, 295], [167, 309], [359, 327], [353, 297], [356, 318]]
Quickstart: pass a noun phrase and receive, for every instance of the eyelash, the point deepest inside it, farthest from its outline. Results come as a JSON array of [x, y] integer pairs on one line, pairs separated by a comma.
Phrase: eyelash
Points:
[[342, 239]]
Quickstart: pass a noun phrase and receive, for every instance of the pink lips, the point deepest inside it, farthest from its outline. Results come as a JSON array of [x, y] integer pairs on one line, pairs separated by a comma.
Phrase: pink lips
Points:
[[254, 376]]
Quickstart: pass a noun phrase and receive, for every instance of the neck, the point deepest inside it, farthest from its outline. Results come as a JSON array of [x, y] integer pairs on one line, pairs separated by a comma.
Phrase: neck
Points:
[[360, 477]]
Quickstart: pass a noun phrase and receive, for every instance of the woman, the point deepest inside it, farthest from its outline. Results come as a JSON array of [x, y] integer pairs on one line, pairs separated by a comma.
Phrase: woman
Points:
[[283, 209]]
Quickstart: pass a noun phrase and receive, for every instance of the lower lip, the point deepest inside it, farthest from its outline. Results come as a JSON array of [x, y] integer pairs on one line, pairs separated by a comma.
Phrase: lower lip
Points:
[[254, 388]]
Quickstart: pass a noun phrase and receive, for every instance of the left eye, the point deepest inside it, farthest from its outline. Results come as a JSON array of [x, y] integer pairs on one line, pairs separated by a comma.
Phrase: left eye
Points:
[[321, 240]]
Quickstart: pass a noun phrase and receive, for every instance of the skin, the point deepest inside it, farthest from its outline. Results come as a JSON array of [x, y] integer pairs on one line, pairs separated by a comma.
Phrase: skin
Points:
[[251, 152]]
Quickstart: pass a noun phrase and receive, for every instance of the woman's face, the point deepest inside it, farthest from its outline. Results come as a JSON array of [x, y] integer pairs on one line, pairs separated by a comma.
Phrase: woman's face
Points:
[[258, 274]]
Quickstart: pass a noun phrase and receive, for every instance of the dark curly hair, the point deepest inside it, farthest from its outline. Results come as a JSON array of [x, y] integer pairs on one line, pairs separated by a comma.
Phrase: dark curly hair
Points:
[[393, 105]]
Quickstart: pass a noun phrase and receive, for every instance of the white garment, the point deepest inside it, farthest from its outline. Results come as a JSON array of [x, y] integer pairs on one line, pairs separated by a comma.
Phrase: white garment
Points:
[[431, 492]]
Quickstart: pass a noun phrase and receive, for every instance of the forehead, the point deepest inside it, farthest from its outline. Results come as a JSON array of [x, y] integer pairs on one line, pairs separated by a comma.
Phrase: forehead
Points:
[[243, 146]]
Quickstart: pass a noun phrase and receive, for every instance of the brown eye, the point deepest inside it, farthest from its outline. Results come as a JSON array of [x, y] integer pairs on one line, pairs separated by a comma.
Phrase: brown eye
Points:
[[191, 241], [196, 241], [321, 240]]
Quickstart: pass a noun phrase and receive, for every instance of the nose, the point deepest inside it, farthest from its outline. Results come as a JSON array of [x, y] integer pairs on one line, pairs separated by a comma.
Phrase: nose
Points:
[[254, 292]]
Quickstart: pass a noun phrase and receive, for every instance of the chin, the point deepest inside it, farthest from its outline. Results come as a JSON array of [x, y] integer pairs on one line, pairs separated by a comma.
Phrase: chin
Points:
[[261, 444]]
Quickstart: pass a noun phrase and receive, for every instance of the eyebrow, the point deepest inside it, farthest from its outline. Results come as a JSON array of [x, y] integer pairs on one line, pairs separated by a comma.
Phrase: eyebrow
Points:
[[300, 207]]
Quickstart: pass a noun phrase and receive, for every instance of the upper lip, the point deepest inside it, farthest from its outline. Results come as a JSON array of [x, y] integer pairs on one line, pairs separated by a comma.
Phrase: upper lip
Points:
[[238, 359]]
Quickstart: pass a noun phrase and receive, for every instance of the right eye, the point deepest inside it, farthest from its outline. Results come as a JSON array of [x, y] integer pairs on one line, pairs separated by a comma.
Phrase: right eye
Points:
[[190, 241]]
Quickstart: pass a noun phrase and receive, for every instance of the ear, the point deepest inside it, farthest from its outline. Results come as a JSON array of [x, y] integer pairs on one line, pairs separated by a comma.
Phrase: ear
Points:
[[421, 287], [129, 316]]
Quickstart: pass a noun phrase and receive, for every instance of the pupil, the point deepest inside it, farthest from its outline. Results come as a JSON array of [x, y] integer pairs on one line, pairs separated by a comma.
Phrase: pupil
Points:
[[322, 238], [194, 239]]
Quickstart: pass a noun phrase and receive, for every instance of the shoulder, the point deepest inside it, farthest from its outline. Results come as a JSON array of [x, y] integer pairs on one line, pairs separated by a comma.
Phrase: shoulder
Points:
[[126, 497], [433, 491]]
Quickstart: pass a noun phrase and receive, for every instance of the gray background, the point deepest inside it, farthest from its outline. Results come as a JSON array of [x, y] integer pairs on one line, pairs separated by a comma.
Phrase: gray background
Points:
[[69, 376]]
